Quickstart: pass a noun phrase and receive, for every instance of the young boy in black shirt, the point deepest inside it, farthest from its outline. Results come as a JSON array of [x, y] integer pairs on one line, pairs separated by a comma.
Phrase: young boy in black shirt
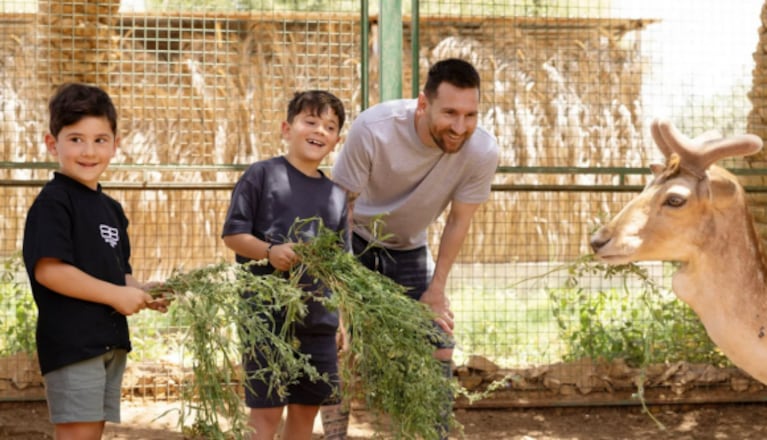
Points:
[[265, 203], [76, 252]]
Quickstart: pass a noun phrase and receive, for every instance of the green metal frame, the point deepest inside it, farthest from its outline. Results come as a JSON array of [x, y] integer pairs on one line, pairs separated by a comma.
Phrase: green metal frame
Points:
[[415, 47], [365, 53], [390, 37], [622, 173], [390, 50]]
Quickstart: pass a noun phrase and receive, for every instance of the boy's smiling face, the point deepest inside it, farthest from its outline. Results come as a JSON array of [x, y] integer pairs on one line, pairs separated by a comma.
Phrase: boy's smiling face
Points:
[[311, 137], [84, 149]]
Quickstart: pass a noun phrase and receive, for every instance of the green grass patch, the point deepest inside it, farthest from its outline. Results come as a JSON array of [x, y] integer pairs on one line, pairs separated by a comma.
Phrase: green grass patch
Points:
[[505, 326]]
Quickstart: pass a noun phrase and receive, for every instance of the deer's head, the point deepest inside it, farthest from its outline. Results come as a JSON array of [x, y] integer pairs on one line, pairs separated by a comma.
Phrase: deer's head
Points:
[[678, 211]]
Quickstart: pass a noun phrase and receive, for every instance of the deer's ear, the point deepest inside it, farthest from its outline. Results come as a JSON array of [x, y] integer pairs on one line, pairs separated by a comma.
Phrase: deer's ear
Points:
[[722, 190], [657, 168]]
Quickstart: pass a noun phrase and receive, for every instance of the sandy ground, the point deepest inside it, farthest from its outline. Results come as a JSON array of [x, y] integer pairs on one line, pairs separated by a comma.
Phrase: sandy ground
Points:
[[155, 421]]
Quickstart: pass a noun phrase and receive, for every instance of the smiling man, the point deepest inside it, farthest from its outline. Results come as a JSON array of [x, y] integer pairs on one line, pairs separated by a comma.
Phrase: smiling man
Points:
[[407, 160]]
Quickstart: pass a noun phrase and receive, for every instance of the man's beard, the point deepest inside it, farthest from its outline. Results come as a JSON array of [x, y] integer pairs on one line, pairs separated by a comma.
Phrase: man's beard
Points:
[[441, 143]]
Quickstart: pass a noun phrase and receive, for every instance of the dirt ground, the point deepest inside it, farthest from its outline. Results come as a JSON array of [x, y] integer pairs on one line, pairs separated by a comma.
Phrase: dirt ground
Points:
[[154, 421]]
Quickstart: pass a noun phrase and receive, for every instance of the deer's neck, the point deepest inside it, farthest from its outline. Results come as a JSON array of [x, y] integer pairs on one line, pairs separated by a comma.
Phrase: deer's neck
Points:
[[727, 274], [725, 285]]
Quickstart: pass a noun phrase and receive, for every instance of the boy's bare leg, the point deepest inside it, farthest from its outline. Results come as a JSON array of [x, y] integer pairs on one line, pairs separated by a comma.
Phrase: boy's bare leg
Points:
[[265, 422], [299, 422], [335, 421], [79, 431]]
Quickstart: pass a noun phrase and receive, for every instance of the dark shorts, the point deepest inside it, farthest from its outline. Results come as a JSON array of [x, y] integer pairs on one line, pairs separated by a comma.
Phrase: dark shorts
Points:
[[324, 358], [411, 269]]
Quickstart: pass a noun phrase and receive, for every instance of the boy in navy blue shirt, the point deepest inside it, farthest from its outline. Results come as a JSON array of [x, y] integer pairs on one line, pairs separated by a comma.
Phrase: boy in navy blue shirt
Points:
[[76, 252], [265, 203]]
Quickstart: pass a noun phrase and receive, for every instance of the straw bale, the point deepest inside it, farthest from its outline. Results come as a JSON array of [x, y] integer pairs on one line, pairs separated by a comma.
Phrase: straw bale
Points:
[[94, 34], [757, 118], [82, 32], [213, 90], [81, 7], [549, 103]]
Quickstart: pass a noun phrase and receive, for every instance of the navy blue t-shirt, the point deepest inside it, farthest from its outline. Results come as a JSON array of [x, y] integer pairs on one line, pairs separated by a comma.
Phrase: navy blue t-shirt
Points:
[[87, 229], [266, 201]]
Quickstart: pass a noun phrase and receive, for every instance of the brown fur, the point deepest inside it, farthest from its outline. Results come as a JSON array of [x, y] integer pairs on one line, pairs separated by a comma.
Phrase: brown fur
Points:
[[695, 213]]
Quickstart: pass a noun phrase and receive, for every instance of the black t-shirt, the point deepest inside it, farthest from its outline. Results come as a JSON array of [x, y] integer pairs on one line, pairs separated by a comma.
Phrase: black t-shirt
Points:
[[267, 200], [87, 229]]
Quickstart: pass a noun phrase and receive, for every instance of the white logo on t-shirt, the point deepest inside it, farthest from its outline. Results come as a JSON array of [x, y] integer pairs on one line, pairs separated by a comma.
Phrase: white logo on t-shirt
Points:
[[109, 234]]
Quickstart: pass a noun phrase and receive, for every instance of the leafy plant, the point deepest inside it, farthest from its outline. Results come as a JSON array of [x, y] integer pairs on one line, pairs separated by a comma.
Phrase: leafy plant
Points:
[[18, 325], [389, 364], [226, 311], [609, 324]]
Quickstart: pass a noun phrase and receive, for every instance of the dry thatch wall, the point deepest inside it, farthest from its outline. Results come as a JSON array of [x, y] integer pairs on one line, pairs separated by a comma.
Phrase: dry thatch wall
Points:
[[203, 90], [757, 123], [556, 93], [757, 120]]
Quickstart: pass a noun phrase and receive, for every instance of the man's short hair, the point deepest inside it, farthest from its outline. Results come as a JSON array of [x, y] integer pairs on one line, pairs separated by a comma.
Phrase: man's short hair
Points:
[[454, 71]]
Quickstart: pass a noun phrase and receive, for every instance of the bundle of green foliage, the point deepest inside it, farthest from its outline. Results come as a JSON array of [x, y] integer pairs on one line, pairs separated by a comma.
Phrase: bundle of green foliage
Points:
[[389, 364], [222, 323]]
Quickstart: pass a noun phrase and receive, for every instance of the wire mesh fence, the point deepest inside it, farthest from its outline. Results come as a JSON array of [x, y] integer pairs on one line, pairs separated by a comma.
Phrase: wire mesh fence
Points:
[[201, 89]]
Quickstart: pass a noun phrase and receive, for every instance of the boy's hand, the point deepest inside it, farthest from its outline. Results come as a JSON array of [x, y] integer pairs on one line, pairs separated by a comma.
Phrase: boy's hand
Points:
[[161, 295], [130, 300], [159, 304], [282, 257]]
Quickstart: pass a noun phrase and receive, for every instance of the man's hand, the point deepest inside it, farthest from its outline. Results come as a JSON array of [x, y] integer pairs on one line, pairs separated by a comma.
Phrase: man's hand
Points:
[[440, 305]]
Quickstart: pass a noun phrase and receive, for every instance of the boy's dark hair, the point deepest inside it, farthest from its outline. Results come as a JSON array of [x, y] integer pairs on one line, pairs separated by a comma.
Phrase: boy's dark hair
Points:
[[454, 71], [316, 102], [74, 101]]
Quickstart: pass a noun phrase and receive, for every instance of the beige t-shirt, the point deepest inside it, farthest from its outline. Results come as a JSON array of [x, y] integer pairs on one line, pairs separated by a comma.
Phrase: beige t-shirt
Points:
[[385, 161]]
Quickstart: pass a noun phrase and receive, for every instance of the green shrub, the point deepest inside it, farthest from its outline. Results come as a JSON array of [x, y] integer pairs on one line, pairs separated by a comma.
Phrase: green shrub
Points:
[[642, 325], [18, 314]]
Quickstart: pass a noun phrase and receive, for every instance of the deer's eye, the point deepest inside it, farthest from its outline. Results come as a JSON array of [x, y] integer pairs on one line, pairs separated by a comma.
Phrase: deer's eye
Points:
[[674, 201]]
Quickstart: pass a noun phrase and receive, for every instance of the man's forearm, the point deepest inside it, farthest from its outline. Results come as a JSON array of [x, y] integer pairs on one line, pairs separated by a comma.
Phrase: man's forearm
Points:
[[453, 236]]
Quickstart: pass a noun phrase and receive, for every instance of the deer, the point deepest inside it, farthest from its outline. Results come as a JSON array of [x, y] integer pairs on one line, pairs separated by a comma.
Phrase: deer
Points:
[[695, 213]]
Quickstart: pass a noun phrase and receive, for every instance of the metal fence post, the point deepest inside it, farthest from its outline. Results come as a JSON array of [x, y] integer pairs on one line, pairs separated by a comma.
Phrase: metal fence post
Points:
[[390, 56]]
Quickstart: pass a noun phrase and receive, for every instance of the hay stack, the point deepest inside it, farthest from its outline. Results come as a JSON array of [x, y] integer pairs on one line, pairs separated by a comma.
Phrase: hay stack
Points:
[[550, 102], [213, 90], [218, 97], [78, 41], [757, 124], [757, 119]]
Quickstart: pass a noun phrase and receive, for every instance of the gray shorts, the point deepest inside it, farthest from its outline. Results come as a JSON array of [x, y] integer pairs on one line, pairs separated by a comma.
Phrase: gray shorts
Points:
[[87, 391]]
